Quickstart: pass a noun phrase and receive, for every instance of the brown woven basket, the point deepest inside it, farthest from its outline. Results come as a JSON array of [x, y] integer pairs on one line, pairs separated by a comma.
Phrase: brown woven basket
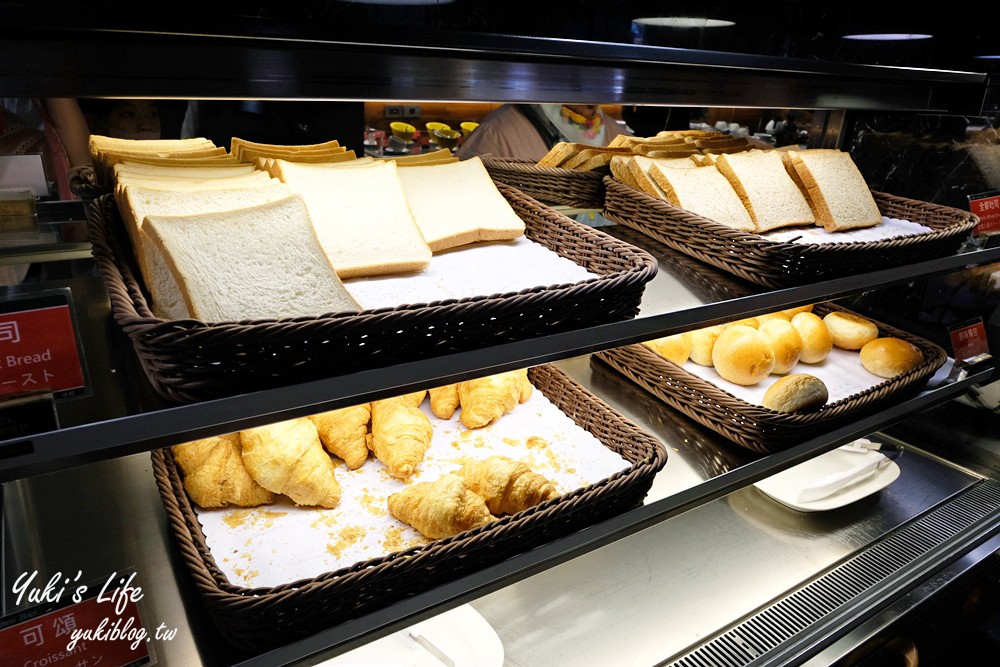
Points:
[[781, 264], [550, 185], [259, 618], [754, 426], [189, 360]]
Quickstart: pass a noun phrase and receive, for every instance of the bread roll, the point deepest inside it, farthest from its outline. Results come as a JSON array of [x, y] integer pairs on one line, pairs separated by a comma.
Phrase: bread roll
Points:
[[798, 392], [792, 312], [780, 315], [786, 343], [751, 322], [742, 355], [817, 341], [889, 357], [849, 331], [674, 348], [702, 342]]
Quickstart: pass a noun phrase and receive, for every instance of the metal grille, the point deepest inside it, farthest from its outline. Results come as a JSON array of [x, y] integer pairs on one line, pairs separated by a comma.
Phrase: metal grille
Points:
[[781, 620]]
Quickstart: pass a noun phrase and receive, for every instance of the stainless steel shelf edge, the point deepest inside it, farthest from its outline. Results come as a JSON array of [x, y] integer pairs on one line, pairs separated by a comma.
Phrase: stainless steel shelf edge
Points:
[[399, 615], [86, 443], [255, 62], [910, 605]]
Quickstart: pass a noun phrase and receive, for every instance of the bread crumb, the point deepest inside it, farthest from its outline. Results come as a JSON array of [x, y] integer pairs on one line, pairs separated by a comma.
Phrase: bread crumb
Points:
[[347, 537], [397, 540], [536, 442], [512, 441]]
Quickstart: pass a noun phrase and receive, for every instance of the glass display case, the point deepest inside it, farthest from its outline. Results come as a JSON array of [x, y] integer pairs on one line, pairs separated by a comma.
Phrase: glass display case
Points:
[[708, 569]]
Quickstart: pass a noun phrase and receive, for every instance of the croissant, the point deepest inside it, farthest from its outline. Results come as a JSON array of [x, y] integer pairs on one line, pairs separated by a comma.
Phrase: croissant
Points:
[[344, 433], [508, 486], [441, 508], [444, 401], [214, 473], [287, 457], [401, 433], [486, 399]]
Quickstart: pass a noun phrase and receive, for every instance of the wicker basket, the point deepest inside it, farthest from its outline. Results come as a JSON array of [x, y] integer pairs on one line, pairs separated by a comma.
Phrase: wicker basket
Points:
[[550, 185], [754, 426], [259, 618], [782, 264], [188, 360]]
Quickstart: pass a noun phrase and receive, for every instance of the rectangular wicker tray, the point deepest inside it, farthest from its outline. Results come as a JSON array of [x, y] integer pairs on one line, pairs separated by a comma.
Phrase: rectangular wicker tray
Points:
[[782, 264], [188, 360], [259, 618], [550, 185], [754, 426]]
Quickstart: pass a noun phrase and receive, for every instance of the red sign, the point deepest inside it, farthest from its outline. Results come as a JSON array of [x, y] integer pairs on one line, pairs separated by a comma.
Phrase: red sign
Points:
[[988, 210], [969, 341], [85, 634], [38, 352]]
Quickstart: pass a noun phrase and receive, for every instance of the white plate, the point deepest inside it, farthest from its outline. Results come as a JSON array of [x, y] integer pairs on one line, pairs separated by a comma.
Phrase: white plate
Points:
[[786, 485], [462, 634]]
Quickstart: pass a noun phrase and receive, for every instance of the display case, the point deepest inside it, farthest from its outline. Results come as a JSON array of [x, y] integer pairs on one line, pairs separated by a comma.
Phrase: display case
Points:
[[707, 570]]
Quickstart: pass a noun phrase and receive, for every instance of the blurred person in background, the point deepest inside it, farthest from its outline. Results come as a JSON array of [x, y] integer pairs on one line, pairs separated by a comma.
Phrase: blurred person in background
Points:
[[529, 131]]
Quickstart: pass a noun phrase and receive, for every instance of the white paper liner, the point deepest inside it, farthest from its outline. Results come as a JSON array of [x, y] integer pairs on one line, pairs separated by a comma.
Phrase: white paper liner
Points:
[[841, 371], [482, 269], [890, 228], [282, 543]]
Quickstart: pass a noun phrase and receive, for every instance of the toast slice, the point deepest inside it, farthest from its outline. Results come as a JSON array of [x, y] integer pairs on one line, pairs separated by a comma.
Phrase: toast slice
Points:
[[641, 165], [257, 262], [704, 191], [472, 210], [361, 216], [835, 189], [769, 194], [137, 203]]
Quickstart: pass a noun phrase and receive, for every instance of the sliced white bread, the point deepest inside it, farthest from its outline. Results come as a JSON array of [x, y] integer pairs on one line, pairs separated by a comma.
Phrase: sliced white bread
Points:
[[257, 262], [641, 164], [181, 161], [457, 204], [362, 218], [704, 191], [835, 189], [621, 170], [333, 155], [438, 156], [237, 144], [220, 171], [99, 142], [769, 194], [252, 179], [137, 203]]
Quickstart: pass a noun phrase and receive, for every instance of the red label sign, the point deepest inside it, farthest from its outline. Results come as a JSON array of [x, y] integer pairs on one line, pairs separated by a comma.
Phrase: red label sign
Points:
[[988, 210], [969, 342], [87, 634], [38, 352]]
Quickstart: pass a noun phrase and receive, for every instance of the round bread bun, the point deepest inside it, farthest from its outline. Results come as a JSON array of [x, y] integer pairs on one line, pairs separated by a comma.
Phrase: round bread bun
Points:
[[742, 355], [889, 357], [849, 331], [752, 322], [702, 342], [797, 392], [780, 315], [817, 341], [675, 348], [792, 312], [786, 343]]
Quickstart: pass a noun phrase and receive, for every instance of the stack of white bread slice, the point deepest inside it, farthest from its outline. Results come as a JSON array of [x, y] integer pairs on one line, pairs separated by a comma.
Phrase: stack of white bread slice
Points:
[[231, 242], [774, 188]]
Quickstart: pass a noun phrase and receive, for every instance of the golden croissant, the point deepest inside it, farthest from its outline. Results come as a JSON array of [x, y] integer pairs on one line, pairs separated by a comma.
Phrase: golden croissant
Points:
[[444, 401], [508, 486], [287, 457], [486, 399], [441, 508], [344, 433], [401, 433], [214, 473]]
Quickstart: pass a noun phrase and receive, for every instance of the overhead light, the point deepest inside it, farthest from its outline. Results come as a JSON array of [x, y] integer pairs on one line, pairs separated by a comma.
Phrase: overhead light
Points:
[[888, 36], [682, 22], [990, 57]]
